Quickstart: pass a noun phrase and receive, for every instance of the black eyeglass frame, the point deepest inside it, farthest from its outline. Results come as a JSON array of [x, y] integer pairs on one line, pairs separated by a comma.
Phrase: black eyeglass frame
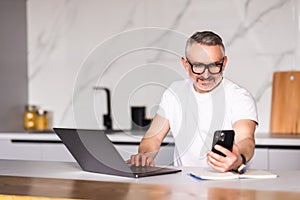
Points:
[[207, 66]]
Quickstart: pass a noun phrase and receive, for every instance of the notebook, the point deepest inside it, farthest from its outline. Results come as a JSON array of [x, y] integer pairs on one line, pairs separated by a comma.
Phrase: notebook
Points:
[[214, 175], [94, 152]]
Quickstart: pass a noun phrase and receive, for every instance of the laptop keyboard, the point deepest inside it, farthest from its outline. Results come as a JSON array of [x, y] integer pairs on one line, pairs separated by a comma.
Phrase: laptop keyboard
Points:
[[144, 169]]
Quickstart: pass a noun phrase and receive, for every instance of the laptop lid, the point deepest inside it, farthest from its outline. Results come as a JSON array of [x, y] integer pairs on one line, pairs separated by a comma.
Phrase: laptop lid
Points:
[[94, 152]]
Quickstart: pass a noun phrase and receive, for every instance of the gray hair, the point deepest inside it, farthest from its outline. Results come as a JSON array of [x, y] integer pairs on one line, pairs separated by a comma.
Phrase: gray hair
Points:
[[208, 38]]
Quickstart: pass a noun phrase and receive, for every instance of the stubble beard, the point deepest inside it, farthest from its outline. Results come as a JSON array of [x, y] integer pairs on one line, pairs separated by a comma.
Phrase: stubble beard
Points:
[[212, 83]]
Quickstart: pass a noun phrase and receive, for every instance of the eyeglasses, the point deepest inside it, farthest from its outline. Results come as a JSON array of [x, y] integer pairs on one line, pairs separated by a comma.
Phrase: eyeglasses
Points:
[[213, 68]]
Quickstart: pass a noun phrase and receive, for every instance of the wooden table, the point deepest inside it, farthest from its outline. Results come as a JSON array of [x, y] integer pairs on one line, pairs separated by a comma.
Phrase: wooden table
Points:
[[83, 189], [67, 180]]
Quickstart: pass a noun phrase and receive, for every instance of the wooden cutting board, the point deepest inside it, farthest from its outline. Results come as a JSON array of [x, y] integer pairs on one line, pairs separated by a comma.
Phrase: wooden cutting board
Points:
[[285, 110]]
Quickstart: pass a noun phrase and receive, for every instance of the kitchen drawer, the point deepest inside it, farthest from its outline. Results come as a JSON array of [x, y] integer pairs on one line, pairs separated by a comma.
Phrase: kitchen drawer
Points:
[[284, 159], [260, 159], [19, 150], [56, 152]]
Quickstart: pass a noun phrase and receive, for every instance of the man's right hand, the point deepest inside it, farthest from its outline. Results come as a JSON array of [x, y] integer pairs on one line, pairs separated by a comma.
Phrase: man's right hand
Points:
[[142, 159]]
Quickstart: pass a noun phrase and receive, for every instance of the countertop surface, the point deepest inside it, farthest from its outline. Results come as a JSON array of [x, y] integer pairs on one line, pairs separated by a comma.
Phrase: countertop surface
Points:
[[136, 136], [116, 136], [17, 187], [287, 180]]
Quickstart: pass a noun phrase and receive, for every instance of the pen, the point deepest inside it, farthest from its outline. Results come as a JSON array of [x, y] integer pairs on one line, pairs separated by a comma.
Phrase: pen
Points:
[[194, 176]]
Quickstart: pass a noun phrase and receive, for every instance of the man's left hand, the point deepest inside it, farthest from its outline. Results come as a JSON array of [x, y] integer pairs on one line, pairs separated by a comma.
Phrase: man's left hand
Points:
[[220, 163]]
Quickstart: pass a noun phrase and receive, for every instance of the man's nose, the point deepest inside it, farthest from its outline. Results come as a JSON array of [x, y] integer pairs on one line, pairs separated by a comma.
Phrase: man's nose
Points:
[[206, 73]]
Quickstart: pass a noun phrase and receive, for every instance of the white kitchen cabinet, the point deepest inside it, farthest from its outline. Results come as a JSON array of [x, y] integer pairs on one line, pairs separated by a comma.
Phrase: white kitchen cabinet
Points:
[[33, 150], [272, 152], [264, 158], [276, 159], [19, 151], [165, 156], [55, 152], [260, 159], [284, 159]]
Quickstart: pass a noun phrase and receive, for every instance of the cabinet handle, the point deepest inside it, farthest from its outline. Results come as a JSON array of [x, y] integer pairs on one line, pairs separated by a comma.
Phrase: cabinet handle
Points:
[[37, 141]]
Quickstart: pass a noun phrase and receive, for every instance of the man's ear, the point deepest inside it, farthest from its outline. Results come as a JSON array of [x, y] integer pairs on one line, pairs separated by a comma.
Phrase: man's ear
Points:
[[185, 64], [224, 63]]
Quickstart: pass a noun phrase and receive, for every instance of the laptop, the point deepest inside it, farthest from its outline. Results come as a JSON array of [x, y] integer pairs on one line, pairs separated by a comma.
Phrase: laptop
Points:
[[94, 152]]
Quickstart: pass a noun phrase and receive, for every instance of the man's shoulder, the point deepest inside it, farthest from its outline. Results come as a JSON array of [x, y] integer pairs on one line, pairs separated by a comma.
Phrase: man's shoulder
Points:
[[236, 91], [229, 85]]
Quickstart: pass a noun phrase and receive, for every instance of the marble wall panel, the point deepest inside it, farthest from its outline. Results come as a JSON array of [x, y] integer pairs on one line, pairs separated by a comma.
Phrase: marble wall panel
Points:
[[260, 36]]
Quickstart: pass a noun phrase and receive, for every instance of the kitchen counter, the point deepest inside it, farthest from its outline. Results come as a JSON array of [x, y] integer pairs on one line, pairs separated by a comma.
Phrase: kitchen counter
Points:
[[262, 140], [287, 180], [34, 187], [270, 150], [277, 140], [122, 136], [40, 179]]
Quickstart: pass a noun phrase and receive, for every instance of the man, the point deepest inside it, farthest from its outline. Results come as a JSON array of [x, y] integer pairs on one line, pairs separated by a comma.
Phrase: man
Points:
[[193, 109]]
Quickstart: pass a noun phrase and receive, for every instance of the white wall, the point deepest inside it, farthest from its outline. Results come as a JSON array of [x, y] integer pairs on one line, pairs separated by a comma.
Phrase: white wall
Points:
[[261, 37]]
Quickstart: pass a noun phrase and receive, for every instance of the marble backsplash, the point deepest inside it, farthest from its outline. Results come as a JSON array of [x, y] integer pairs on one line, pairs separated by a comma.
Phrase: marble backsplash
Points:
[[134, 47]]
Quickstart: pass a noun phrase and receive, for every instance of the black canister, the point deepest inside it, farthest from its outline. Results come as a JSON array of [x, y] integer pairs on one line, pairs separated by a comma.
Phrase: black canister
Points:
[[137, 117]]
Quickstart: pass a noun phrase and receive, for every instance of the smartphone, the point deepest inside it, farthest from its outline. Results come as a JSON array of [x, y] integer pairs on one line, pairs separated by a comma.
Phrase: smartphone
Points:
[[225, 138]]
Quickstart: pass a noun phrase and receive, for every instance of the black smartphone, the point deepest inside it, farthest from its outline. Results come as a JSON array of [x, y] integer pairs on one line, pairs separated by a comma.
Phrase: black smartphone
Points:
[[225, 138]]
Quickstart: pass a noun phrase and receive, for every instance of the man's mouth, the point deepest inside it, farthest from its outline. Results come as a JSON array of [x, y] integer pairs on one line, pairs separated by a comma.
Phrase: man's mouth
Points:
[[206, 84], [208, 79]]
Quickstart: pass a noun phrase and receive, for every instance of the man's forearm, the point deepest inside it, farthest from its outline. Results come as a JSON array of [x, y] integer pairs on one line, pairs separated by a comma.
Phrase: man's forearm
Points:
[[244, 130], [154, 136], [149, 145], [247, 147]]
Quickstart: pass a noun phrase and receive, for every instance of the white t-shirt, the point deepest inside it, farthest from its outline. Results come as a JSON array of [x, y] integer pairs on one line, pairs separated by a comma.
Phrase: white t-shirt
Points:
[[194, 117]]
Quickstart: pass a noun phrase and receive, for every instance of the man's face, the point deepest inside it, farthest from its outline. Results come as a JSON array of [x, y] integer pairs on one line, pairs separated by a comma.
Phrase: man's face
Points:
[[213, 58]]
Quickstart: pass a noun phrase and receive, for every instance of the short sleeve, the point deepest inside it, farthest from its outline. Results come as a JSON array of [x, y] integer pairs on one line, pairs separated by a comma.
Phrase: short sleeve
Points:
[[164, 105], [244, 106]]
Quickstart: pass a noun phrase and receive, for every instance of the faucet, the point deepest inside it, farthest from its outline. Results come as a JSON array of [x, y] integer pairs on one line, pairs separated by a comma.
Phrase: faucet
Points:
[[107, 120]]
